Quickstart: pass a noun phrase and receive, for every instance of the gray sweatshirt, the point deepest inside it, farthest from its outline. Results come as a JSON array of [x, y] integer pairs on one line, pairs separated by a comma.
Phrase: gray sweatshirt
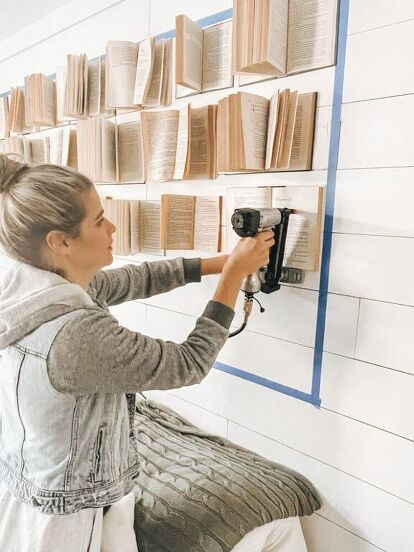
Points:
[[94, 354]]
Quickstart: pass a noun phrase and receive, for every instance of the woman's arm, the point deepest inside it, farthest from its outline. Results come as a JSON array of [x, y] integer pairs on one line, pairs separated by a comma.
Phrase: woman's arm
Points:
[[94, 354], [130, 282]]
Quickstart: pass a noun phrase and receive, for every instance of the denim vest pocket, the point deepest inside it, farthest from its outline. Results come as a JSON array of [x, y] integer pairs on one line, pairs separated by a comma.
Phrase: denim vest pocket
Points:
[[97, 460]]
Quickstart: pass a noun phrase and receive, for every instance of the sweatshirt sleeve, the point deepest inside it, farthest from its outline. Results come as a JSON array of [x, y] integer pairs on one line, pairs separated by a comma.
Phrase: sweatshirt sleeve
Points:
[[92, 353], [131, 282]]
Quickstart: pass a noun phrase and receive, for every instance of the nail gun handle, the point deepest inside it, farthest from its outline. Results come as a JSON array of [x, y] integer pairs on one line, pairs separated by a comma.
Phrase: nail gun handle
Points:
[[276, 254]]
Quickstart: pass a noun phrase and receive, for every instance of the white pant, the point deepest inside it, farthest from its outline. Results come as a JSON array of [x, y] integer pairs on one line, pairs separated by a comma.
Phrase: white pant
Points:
[[284, 535], [23, 529]]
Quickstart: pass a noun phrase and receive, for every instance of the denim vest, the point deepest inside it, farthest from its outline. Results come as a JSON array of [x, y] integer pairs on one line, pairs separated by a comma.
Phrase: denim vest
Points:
[[59, 452]]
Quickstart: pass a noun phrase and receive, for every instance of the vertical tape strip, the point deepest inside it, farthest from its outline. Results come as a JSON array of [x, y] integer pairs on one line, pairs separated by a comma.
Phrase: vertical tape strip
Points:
[[330, 197]]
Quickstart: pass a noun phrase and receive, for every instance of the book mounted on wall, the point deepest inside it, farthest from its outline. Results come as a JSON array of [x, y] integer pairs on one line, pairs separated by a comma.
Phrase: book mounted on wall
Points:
[[305, 225], [281, 37], [257, 134], [202, 56], [40, 100]]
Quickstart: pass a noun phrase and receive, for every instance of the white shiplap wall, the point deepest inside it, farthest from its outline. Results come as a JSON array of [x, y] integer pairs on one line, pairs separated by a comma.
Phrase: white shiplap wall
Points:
[[358, 447]]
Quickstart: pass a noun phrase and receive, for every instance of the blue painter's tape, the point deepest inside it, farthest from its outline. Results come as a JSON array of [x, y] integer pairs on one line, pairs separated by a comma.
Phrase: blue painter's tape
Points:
[[204, 22], [330, 197], [267, 383]]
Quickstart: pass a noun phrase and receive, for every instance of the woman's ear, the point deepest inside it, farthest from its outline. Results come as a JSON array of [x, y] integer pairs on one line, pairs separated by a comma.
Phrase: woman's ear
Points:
[[57, 241]]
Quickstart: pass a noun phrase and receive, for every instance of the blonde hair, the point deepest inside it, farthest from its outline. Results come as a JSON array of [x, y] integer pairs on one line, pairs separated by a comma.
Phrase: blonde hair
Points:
[[34, 201]]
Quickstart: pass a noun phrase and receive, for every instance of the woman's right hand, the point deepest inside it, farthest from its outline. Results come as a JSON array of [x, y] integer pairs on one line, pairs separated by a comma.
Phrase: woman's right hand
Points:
[[250, 254]]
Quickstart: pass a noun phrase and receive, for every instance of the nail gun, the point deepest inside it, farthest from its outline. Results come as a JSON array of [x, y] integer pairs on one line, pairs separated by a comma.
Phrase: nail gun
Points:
[[247, 222]]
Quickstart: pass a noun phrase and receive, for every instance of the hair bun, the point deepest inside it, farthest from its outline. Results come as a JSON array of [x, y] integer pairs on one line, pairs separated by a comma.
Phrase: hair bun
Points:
[[9, 171]]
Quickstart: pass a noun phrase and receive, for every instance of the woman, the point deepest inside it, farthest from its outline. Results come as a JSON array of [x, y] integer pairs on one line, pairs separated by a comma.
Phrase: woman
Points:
[[69, 371]]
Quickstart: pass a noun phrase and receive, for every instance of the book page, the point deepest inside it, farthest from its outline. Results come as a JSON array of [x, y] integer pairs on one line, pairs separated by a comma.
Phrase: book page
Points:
[[159, 136], [56, 146], [134, 213], [236, 198], [72, 160], [304, 230], [181, 154], [277, 35], [94, 86], [48, 102], [177, 221], [153, 96], [312, 34], [144, 69], [199, 144], [60, 94], [217, 57], [150, 227], [189, 53], [207, 223], [303, 135], [130, 153], [121, 66], [254, 115], [108, 150], [166, 85], [287, 133], [283, 104], [271, 128]]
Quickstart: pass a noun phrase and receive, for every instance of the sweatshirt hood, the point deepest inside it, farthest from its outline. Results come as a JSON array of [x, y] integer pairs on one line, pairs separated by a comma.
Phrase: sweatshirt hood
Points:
[[30, 296]]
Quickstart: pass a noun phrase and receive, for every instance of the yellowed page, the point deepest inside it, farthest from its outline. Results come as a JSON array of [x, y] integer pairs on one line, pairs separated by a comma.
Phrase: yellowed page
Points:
[[130, 153], [94, 86], [166, 85], [73, 153], [121, 67], [217, 71], [108, 150], [177, 221], [277, 35], [134, 213], [207, 221], [60, 94], [189, 44], [159, 135], [150, 218], [312, 34], [144, 69], [271, 128], [236, 198], [199, 144], [56, 146], [287, 140], [37, 150], [304, 231], [49, 102], [254, 114], [303, 135], [181, 154], [153, 96]]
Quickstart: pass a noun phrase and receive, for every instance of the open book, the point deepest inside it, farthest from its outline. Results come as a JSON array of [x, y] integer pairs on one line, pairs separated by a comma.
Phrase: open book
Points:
[[203, 56], [15, 145], [138, 74], [153, 82], [16, 119], [191, 222], [137, 225], [254, 133], [40, 100], [305, 225], [279, 37], [180, 144]]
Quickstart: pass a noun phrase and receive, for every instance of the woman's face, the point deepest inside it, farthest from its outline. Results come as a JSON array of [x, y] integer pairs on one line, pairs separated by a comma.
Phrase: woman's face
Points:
[[93, 248]]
